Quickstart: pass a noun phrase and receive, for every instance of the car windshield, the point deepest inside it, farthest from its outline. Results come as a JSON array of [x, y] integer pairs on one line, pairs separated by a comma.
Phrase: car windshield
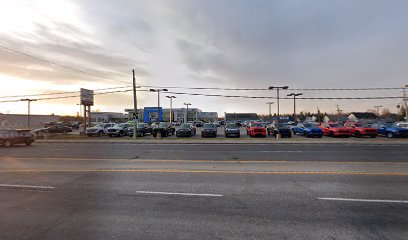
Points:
[[231, 125], [257, 125], [119, 125], [309, 125], [209, 125], [98, 126], [391, 125], [363, 125], [185, 126], [162, 125], [335, 125]]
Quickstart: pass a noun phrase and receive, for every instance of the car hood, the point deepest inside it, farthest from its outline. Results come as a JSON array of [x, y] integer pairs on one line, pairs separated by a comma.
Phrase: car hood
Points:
[[313, 129]]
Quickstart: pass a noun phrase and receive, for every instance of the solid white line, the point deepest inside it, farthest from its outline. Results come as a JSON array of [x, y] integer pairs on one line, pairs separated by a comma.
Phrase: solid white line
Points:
[[181, 194], [365, 200], [25, 186]]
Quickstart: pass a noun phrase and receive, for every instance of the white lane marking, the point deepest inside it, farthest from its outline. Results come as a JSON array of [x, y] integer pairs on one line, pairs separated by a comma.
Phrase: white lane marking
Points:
[[181, 194], [25, 186], [365, 200]]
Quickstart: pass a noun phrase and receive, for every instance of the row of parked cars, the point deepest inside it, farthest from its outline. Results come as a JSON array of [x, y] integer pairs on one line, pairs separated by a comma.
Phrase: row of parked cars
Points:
[[312, 129]]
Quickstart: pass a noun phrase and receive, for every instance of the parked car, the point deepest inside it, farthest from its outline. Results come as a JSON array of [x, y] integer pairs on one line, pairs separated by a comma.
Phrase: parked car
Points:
[[186, 130], [232, 130], [307, 130], [49, 124], [59, 128], [8, 138], [391, 130], [99, 129], [142, 129], [283, 129], [361, 129], [164, 128], [403, 124], [118, 130], [209, 130], [73, 125], [335, 130], [238, 122], [217, 123], [256, 129], [198, 124]]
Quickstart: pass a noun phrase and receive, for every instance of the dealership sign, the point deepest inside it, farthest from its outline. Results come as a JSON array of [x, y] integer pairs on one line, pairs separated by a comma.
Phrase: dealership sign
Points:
[[87, 97]]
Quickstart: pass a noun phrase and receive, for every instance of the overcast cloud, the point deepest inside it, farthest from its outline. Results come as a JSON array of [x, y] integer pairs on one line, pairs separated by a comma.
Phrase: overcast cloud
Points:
[[214, 43]]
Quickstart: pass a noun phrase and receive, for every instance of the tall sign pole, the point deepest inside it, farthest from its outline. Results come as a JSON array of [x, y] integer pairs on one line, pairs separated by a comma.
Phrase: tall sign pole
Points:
[[87, 99], [135, 117]]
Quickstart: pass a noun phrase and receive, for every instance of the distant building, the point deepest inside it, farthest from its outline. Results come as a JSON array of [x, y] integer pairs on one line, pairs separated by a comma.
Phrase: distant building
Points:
[[20, 120], [149, 114], [362, 117], [108, 117], [229, 117]]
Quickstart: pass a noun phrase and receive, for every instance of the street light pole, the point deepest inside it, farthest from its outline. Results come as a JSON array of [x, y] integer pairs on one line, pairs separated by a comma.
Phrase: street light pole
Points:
[[277, 96], [378, 109], [270, 112], [294, 103], [171, 107], [29, 109], [405, 102], [187, 104], [158, 99]]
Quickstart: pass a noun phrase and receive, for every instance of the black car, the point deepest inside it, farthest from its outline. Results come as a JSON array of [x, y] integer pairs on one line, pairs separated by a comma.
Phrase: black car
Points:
[[209, 130], [198, 124], [186, 130], [232, 130], [284, 129], [59, 128], [164, 128], [8, 138], [142, 129]]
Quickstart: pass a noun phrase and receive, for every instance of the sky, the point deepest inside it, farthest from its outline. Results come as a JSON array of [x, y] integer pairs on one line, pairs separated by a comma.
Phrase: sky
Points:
[[203, 43]]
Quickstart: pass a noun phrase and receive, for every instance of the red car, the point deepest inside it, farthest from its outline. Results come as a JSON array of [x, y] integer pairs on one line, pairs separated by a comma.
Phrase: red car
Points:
[[256, 129], [335, 130], [361, 129]]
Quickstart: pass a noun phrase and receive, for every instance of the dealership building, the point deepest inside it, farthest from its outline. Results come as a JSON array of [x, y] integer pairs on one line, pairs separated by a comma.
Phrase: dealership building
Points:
[[150, 114]]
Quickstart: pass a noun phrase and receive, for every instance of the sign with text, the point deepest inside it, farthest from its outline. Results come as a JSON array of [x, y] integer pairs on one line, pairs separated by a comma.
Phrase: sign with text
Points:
[[87, 97]]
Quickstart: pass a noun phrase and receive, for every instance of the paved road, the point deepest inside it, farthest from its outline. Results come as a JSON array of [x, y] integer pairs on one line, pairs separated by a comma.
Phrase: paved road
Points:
[[103, 191]]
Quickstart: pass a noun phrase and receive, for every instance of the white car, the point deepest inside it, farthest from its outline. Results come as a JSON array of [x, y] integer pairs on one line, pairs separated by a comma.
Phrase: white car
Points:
[[402, 124], [99, 129]]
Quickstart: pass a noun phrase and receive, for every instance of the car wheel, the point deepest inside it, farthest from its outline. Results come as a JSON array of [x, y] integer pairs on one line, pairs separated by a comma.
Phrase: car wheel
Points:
[[357, 134], [390, 135], [28, 143], [64, 132], [154, 135], [89, 135], [331, 134], [373, 136], [239, 135], [100, 134], [8, 143]]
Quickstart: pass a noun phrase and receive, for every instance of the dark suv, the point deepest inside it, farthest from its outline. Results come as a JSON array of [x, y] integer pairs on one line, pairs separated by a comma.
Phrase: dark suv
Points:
[[8, 138], [164, 128], [232, 130]]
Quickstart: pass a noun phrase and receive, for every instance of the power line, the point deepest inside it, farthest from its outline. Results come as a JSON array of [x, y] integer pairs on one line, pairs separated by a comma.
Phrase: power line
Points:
[[220, 95], [59, 93], [59, 65]]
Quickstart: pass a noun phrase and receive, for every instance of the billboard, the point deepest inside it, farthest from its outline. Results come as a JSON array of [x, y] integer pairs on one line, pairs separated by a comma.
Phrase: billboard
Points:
[[87, 97]]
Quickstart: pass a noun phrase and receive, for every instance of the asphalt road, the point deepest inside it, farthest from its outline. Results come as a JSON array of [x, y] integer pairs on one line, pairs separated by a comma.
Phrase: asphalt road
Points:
[[217, 191]]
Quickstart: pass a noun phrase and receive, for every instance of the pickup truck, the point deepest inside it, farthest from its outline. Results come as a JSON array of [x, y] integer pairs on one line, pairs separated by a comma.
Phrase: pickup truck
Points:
[[118, 130], [99, 129], [164, 128], [256, 129]]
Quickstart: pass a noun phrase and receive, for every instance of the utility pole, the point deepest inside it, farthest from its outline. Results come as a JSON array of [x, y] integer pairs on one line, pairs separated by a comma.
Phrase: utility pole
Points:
[[187, 104], [171, 107], [338, 113], [318, 115], [378, 109], [405, 102], [270, 112], [158, 99], [135, 113], [29, 109], [294, 103], [277, 96]]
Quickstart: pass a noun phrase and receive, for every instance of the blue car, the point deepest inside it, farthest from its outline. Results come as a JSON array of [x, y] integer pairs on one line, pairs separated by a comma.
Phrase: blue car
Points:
[[307, 130], [392, 130]]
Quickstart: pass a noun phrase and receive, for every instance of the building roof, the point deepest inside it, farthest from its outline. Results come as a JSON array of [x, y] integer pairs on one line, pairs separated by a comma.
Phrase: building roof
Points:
[[241, 116], [365, 115]]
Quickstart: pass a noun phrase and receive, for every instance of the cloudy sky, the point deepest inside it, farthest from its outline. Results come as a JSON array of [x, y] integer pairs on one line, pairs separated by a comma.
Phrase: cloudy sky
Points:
[[203, 43]]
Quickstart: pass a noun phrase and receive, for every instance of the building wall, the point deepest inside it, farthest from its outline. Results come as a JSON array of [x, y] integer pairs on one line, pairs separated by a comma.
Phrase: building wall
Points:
[[107, 117], [20, 120]]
